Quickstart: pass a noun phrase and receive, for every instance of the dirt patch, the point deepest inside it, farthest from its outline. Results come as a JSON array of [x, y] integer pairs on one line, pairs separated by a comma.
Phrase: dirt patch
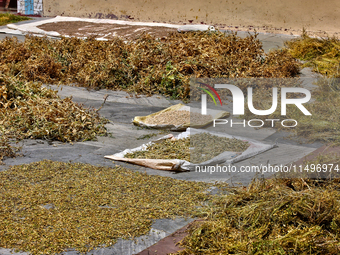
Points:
[[107, 31]]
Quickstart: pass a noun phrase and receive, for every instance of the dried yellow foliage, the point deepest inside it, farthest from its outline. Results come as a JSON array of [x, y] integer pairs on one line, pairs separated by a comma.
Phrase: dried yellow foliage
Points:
[[48, 207], [146, 65], [322, 54], [274, 216], [28, 110]]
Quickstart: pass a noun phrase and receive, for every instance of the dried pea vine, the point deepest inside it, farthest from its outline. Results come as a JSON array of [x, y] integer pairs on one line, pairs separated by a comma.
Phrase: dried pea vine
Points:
[[196, 149], [28, 110], [273, 216], [322, 54], [48, 207], [146, 65]]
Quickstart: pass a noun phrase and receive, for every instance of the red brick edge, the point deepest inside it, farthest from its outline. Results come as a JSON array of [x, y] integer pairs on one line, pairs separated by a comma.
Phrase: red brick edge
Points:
[[168, 244], [324, 150]]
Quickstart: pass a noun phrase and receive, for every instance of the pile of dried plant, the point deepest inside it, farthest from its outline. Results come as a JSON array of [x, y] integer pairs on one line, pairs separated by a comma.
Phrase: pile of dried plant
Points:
[[322, 54], [165, 149], [195, 149], [28, 110], [48, 207], [275, 216], [146, 65]]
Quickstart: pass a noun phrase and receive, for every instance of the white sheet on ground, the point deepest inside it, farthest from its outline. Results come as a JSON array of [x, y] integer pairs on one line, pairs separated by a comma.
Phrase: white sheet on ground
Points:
[[226, 157]]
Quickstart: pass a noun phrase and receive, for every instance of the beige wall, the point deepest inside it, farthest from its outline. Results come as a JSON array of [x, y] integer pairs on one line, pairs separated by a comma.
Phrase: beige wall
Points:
[[314, 15]]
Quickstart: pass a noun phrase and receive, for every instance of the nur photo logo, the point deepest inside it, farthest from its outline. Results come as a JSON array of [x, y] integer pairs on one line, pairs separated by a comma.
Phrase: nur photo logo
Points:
[[204, 97], [239, 99]]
